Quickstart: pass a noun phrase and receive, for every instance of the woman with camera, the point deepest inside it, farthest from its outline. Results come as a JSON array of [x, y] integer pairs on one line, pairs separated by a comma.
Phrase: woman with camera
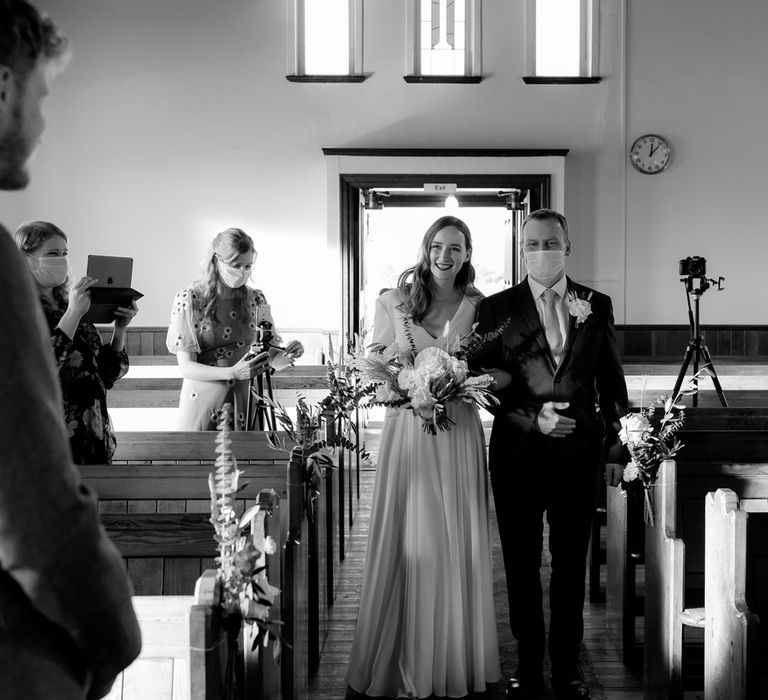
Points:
[[221, 333]]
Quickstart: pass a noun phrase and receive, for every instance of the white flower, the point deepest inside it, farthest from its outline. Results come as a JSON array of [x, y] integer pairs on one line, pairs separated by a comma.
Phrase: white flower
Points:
[[580, 308], [270, 546], [406, 379], [421, 399], [631, 472], [633, 427]]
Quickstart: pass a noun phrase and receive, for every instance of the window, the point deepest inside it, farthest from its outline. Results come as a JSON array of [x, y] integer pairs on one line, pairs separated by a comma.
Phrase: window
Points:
[[445, 44], [327, 40], [561, 40]]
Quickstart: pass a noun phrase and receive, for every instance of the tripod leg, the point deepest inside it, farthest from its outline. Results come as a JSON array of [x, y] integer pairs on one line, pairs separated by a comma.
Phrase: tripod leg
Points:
[[269, 410], [683, 369], [715, 380]]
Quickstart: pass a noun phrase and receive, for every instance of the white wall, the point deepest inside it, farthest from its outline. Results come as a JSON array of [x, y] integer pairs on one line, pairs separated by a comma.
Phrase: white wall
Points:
[[175, 120], [697, 75]]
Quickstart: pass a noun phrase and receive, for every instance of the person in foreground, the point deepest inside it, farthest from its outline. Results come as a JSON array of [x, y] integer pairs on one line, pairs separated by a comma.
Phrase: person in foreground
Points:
[[87, 367], [67, 626], [561, 359], [427, 624], [213, 325]]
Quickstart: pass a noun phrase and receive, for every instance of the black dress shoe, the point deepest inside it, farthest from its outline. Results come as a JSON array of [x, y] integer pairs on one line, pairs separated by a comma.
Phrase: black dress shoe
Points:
[[575, 689], [523, 688]]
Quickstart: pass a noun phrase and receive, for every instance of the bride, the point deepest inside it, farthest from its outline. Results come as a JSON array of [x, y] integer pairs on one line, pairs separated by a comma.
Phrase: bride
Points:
[[427, 624]]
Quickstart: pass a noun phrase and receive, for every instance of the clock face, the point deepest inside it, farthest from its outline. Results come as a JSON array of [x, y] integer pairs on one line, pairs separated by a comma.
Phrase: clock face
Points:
[[650, 154]]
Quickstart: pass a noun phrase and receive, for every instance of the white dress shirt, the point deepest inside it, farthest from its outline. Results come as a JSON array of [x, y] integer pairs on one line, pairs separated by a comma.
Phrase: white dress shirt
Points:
[[561, 306]]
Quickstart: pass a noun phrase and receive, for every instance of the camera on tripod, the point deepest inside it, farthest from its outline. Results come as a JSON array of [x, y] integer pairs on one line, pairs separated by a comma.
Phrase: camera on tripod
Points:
[[693, 271], [693, 266], [264, 336]]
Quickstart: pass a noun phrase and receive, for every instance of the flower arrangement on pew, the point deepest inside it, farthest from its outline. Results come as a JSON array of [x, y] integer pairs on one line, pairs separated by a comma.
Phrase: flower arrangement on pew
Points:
[[247, 595], [425, 381], [651, 438], [316, 452]]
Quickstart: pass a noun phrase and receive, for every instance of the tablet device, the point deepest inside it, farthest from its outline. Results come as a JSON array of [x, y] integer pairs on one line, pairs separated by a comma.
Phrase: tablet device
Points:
[[112, 289]]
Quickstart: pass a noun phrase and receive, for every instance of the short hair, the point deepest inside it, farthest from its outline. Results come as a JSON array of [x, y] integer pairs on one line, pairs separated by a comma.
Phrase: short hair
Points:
[[547, 215], [26, 36]]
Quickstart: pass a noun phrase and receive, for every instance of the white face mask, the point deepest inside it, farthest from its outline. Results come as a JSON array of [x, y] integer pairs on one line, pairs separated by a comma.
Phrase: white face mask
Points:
[[49, 272], [232, 276], [545, 266]]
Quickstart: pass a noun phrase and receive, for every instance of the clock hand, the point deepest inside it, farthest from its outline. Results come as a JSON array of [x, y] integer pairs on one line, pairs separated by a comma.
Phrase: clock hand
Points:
[[653, 149]]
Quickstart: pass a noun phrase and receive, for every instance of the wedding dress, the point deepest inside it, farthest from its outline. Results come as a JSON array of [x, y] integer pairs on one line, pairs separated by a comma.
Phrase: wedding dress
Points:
[[427, 623]]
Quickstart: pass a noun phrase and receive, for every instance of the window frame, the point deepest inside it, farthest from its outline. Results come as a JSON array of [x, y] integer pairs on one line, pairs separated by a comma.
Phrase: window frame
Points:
[[472, 46], [589, 28], [297, 61]]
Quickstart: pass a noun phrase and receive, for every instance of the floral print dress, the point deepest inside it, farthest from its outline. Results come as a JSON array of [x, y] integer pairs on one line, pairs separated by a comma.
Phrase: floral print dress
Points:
[[220, 344], [88, 368]]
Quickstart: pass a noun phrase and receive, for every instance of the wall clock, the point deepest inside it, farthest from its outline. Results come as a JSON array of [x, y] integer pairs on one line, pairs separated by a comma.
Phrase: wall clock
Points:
[[650, 153]]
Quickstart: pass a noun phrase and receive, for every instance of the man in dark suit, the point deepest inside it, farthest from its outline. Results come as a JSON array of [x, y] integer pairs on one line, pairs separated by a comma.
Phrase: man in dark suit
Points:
[[67, 625], [562, 391]]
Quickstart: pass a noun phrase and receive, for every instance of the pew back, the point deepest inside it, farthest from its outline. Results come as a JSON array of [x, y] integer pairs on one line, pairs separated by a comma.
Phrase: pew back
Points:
[[155, 505], [731, 640]]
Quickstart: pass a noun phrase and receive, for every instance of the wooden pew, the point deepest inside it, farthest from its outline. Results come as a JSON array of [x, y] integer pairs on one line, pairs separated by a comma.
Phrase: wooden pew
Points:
[[731, 646], [162, 670], [674, 545], [163, 391], [156, 505], [625, 530]]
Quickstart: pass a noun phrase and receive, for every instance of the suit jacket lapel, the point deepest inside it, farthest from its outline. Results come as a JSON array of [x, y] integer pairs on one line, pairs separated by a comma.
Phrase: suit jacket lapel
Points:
[[531, 315]]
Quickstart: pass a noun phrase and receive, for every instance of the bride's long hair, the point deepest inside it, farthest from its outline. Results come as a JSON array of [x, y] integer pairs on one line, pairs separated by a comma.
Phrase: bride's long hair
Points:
[[413, 283]]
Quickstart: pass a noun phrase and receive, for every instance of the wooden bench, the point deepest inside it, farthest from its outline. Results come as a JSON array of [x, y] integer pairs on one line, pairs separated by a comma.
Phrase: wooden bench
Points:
[[674, 551], [731, 642], [711, 436], [156, 508], [184, 645]]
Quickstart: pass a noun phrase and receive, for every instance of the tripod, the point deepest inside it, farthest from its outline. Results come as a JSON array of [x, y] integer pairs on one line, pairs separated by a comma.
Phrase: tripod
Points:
[[264, 413], [696, 348]]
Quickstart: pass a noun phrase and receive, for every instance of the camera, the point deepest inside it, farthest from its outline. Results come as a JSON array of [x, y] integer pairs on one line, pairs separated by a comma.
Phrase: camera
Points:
[[693, 266], [264, 336]]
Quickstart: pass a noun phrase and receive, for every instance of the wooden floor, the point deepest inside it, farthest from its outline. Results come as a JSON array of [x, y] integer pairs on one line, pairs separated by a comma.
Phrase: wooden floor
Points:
[[608, 678]]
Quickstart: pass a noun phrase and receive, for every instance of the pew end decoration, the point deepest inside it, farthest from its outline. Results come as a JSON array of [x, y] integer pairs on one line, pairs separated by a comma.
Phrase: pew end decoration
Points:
[[246, 594], [426, 380], [651, 437]]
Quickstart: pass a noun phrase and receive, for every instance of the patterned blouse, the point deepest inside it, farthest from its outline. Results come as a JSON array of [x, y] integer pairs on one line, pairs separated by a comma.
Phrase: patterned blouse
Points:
[[219, 344], [87, 369]]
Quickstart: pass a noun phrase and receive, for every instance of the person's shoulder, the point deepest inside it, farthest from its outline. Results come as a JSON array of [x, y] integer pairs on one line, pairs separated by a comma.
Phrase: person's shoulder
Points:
[[256, 296], [474, 296], [503, 296], [390, 298]]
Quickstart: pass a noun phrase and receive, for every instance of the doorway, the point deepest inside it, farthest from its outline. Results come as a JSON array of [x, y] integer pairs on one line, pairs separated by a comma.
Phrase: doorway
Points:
[[383, 219]]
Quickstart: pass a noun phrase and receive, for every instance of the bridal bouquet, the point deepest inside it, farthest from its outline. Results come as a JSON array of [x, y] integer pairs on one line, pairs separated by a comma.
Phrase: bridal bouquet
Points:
[[426, 381], [650, 437]]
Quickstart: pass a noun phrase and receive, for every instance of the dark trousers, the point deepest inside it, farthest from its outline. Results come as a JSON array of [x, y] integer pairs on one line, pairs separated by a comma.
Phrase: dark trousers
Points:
[[556, 478]]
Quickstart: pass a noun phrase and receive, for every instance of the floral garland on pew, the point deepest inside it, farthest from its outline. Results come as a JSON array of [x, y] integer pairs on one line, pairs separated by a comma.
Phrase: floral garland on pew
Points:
[[247, 595], [651, 437]]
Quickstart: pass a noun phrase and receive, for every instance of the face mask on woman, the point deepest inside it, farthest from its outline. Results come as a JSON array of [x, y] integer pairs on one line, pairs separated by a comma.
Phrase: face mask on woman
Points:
[[49, 272], [545, 265], [233, 277]]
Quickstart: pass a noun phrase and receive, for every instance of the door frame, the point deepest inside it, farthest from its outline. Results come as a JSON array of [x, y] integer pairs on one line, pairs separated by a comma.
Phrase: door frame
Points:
[[350, 229]]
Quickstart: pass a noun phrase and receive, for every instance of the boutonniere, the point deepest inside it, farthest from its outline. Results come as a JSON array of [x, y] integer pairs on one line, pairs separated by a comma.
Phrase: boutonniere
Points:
[[579, 308]]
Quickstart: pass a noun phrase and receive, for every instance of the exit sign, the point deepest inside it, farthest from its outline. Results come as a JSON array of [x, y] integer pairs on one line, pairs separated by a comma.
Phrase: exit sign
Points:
[[440, 187]]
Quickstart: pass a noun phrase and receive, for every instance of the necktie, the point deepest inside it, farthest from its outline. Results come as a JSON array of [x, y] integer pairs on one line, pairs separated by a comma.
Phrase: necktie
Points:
[[552, 322]]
